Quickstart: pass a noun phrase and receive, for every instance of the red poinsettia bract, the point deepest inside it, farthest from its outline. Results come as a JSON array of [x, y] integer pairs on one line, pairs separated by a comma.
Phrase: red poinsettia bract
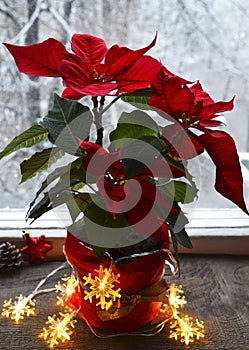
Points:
[[91, 69], [192, 108]]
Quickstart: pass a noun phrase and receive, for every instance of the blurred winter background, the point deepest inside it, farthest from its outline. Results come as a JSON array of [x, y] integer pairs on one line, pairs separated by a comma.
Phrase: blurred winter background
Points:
[[206, 40]]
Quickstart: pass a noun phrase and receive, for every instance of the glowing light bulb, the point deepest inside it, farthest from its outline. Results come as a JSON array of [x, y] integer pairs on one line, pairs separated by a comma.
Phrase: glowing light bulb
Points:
[[186, 329], [17, 309], [66, 289], [59, 329], [102, 287], [176, 300]]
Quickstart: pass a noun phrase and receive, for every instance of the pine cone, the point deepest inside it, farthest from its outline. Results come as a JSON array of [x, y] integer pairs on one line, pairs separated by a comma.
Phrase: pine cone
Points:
[[10, 257]]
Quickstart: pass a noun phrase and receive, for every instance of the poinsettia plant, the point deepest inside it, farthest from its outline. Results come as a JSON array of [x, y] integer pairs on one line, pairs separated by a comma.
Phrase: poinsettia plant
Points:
[[131, 179]]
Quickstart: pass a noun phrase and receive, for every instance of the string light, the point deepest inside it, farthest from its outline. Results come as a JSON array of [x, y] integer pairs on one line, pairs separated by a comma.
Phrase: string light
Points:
[[176, 300], [59, 328], [65, 289], [102, 287], [17, 309], [185, 327]]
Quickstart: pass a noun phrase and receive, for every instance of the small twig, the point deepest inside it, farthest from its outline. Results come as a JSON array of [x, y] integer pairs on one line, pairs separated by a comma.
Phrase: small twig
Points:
[[111, 103], [60, 20], [93, 189]]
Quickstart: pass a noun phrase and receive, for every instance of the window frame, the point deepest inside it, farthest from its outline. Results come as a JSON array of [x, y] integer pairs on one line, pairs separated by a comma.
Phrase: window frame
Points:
[[212, 231]]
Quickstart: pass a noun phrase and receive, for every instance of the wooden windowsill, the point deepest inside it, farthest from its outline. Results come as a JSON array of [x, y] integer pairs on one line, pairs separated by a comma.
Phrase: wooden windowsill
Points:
[[219, 231]]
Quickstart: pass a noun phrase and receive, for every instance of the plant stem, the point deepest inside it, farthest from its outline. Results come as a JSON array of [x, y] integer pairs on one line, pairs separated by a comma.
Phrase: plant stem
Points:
[[98, 119], [98, 115]]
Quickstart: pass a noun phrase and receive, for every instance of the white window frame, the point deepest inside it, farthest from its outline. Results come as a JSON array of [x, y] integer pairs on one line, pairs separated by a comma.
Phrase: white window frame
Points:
[[212, 231]]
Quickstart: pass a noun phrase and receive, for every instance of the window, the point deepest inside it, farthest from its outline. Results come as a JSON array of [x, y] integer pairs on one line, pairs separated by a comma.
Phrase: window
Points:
[[206, 40]]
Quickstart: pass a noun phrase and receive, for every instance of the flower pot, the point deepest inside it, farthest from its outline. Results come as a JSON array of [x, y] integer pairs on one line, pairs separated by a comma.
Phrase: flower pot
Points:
[[134, 277]]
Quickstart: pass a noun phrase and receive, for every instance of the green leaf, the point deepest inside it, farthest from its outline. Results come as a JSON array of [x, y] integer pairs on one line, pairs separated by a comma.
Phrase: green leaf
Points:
[[30, 137], [102, 229], [177, 222], [78, 205], [103, 217], [59, 194], [182, 237], [137, 155], [134, 125], [42, 207], [40, 161], [79, 230], [182, 192], [140, 102], [176, 218], [99, 251], [61, 172], [67, 121]]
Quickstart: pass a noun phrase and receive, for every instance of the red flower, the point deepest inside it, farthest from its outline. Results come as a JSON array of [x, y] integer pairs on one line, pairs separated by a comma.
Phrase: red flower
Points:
[[89, 76], [134, 197], [222, 150], [41, 59], [183, 143], [91, 70], [192, 107]]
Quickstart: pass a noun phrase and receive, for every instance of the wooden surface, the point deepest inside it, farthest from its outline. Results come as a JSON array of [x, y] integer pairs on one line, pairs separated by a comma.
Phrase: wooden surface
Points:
[[216, 287]]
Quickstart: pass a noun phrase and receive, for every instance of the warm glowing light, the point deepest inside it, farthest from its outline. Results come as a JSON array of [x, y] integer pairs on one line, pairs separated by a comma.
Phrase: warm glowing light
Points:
[[102, 287], [19, 308], [186, 329], [176, 300], [17, 126], [6, 139], [59, 329], [183, 328], [66, 289], [15, 175]]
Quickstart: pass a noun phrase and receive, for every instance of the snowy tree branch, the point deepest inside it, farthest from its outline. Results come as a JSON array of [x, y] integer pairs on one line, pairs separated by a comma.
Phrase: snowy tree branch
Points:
[[70, 31], [29, 24], [4, 8]]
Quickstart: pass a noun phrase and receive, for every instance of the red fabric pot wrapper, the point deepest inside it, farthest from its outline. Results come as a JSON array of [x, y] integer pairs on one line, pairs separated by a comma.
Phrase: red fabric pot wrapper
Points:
[[134, 277]]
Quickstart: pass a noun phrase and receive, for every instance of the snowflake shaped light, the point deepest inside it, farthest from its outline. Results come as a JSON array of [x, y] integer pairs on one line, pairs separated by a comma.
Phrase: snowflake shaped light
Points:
[[65, 289], [19, 308], [102, 287], [176, 300], [59, 329], [186, 329]]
